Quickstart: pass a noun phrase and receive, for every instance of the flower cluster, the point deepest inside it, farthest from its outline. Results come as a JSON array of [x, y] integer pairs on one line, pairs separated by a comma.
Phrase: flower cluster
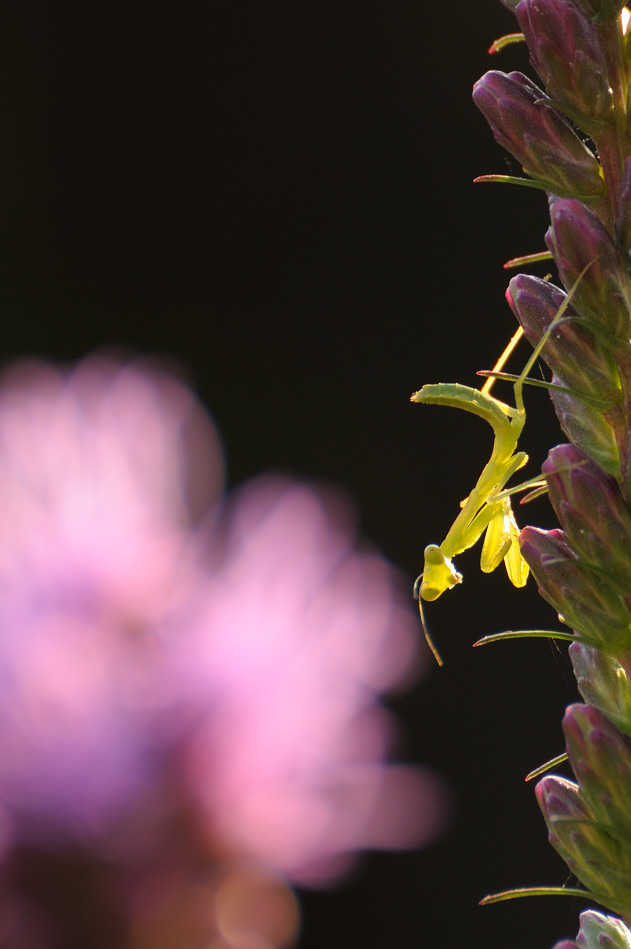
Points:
[[189, 714], [572, 136]]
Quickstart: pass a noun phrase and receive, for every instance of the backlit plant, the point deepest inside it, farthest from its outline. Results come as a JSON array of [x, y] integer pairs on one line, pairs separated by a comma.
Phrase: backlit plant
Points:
[[572, 136]]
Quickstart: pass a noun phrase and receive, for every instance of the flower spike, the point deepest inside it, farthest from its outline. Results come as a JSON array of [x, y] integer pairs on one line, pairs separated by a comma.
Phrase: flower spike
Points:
[[570, 130]]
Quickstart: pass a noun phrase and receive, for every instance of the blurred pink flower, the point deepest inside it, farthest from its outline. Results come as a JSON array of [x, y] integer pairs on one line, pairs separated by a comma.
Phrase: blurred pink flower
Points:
[[299, 633], [160, 656], [95, 536]]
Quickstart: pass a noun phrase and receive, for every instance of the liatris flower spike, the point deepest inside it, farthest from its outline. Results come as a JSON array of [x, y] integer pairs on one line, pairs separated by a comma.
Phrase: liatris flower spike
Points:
[[572, 136]]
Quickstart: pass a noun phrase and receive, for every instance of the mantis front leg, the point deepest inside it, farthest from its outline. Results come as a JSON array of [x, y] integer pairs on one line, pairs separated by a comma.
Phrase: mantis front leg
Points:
[[497, 519]]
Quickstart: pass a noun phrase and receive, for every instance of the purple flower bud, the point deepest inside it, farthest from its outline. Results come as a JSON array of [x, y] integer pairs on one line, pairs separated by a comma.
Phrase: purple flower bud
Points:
[[598, 931], [565, 51], [579, 361], [577, 238], [601, 760], [604, 681], [524, 122], [584, 599], [598, 860], [592, 512], [573, 352], [587, 427], [509, 4]]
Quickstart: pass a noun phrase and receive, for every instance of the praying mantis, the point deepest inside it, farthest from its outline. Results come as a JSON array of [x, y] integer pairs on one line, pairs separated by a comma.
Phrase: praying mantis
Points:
[[487, 510]]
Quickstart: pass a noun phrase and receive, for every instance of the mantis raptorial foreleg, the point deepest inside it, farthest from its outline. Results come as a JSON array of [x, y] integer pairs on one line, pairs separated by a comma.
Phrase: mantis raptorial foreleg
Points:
[[487, 508]]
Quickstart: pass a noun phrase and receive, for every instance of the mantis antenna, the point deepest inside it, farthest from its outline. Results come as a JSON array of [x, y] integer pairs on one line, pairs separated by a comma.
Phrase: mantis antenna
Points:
[[501, 362]]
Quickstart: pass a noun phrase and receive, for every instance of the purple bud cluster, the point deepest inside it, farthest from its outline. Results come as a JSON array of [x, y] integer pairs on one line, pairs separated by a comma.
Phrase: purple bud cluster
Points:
[[589, 820], [572, 137]]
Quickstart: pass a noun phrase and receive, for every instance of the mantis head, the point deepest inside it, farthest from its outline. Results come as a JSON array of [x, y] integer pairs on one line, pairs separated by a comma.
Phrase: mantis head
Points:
[[439, 574]]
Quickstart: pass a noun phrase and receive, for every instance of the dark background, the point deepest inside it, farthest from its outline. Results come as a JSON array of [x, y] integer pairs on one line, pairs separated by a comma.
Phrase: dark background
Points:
[[278, 195]]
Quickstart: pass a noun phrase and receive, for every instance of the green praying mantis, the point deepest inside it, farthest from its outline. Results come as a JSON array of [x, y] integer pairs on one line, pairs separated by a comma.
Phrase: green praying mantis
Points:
[[487, 510]]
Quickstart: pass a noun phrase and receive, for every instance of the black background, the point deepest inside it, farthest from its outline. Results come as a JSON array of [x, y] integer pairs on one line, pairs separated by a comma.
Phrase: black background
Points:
[[278, 196]]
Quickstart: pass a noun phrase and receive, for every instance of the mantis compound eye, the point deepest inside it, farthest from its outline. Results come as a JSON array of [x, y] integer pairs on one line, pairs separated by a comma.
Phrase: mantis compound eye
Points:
[[439, 573]]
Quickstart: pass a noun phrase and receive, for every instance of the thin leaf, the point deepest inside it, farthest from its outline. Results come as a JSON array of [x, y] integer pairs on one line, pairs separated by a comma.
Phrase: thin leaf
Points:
[[527, 634], [527, 259], [507, 40], [543, 768], [536, 891]]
